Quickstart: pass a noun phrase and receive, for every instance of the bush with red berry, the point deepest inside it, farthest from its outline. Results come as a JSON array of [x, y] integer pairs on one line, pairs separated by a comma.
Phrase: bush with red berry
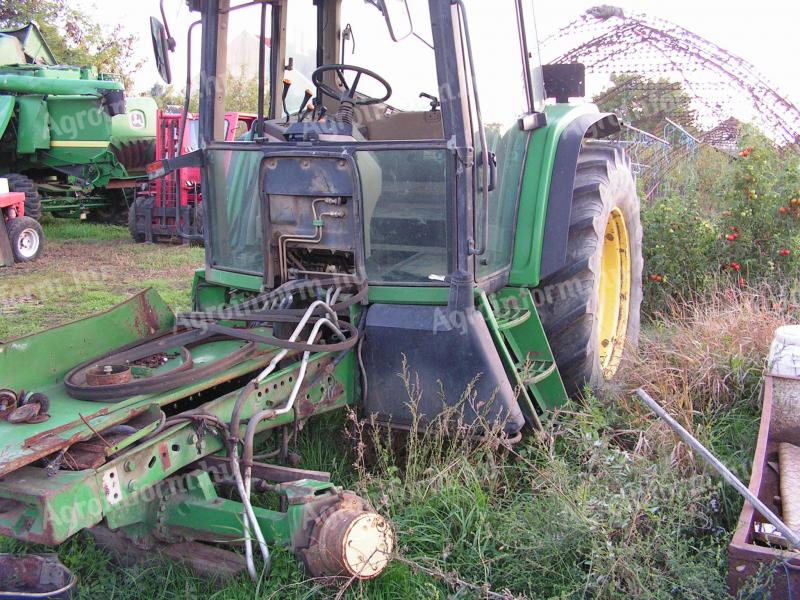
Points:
[[737, 222]]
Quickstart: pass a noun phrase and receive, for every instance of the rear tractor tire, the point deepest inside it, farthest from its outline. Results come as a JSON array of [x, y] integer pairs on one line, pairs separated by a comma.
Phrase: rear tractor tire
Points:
[[590, 307], [21, 183], [27, 239]]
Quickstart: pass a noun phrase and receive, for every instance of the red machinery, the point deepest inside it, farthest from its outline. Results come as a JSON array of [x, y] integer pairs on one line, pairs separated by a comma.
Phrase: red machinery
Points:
[[21, 238], [155, 215]]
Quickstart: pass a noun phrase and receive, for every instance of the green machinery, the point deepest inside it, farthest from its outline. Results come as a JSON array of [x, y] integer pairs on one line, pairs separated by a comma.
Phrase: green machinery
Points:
[[422, 208], [67, 138]]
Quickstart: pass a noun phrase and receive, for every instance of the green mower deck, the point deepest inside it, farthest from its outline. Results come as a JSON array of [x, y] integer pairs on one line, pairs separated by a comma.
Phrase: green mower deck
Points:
[[110, 462]]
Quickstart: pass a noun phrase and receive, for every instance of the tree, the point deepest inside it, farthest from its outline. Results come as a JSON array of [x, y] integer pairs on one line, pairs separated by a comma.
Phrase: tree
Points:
[[241, 94], [166, 96], [74, 36], [647, 103]]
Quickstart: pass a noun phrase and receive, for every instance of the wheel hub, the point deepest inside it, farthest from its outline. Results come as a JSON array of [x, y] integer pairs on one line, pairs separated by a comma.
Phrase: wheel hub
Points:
[[28, 243], [349, 539], [615, 291]]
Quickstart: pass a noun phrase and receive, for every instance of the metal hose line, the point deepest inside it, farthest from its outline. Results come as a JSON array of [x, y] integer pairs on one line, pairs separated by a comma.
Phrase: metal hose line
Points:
[[243, 483]]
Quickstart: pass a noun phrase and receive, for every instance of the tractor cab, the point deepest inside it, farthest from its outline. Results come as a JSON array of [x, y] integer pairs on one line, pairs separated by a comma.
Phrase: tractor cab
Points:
[[387, 147]]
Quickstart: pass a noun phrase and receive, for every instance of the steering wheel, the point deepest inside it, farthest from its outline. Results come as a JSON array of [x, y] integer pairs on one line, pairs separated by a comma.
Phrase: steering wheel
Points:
[[349, 93]]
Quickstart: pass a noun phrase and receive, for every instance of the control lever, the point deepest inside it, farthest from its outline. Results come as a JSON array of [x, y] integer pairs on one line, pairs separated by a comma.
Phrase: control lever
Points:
[[287, 83], [434, 100], [301, 114], [320, 109]]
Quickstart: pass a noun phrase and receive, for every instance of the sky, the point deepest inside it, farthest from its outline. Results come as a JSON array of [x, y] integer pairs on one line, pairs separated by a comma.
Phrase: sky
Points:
[[764, 33]]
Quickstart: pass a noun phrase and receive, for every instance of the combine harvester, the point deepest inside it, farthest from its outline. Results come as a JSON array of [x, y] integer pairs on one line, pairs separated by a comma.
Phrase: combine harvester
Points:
[[68, 139], [490, 241]]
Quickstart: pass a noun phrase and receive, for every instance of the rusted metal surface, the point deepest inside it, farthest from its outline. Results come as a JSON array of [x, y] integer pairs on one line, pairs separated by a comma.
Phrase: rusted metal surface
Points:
[[27, 413], [31, 408], [108, 375], [35, 576], [746, 558], [8, 402], [68, 428], [348, 539], [49, 505], [205, 560]]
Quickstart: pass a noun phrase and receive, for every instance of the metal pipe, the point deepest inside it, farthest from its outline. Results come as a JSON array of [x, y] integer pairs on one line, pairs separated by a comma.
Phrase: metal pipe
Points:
[[255, 420], [283, 240], [721, 469], [187, 93], [287, 237], [480, 250]]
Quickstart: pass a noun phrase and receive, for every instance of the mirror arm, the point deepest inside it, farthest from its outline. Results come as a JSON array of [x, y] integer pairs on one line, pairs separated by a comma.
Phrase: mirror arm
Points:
[[381, 6], [170, 39]]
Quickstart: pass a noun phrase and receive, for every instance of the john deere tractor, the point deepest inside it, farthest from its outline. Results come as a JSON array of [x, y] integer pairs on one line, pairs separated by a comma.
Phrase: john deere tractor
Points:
[[67, 139], [434, 205]]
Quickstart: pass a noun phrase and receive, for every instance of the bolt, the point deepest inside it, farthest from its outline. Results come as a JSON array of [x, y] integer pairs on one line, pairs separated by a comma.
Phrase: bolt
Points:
[[129, 466], [132, 486], [192, 438]]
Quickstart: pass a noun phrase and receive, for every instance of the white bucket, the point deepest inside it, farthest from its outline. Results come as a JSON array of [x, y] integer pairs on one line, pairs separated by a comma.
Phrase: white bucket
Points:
[[3, 185], [784, 366], [784, 352]]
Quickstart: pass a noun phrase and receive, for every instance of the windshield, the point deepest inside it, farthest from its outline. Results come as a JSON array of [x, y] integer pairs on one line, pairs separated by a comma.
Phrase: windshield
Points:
[[408, 65], [362, 38], [383, 212]]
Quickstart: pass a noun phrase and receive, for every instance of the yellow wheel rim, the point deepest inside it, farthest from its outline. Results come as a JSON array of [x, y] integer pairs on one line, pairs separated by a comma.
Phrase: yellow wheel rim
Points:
[[615, 291]]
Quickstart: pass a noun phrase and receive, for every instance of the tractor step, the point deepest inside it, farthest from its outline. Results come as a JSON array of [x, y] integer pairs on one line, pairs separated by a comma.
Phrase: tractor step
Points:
[[524, 350], [511, 320], [532, 372]]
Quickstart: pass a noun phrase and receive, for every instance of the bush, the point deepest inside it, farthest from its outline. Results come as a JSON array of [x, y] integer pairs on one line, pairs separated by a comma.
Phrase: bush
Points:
[[733, 221], [679, 246]]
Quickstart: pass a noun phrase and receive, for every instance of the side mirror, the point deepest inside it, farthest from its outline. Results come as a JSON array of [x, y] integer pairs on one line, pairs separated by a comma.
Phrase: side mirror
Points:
[[398, 18], [160, 46]]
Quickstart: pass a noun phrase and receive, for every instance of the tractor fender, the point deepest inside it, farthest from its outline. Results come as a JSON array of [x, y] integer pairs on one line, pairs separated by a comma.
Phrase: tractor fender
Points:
[[7, 104], [559, 200]]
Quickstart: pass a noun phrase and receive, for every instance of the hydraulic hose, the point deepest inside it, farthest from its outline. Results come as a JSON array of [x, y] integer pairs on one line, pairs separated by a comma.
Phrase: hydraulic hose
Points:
[[243, 483]]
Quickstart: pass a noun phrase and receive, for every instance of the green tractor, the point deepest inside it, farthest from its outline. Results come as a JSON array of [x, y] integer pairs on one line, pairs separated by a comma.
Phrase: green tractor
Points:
[[422, 209], [67, 138]]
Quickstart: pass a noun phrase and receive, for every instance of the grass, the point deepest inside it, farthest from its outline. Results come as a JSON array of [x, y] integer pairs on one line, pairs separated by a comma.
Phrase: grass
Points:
[[603, 504], [85, 268]]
